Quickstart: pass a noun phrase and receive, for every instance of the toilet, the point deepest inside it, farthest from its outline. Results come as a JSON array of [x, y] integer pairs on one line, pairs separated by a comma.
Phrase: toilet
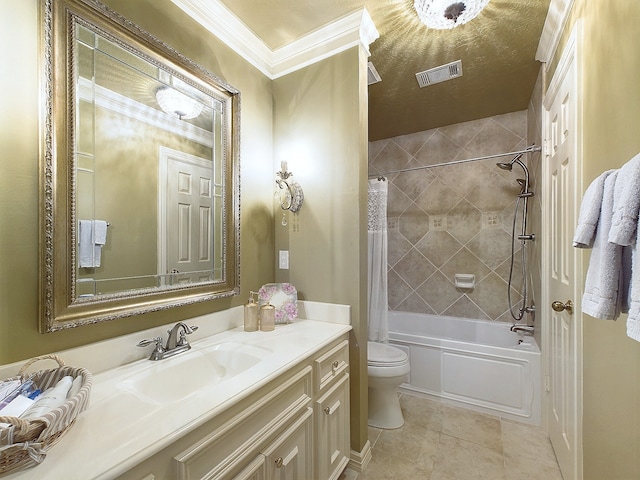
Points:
[[388, 368]]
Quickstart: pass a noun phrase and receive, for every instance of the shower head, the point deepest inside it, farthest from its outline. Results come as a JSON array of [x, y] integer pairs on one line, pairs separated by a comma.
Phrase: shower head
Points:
[[523, 182], [509, 165]]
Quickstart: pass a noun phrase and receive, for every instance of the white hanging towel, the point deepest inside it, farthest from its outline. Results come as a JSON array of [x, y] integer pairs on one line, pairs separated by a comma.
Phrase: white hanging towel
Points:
[[633, 320], [99, 232], [92, 236], [604, 289], [590, 213], [99, 239], [85, 243], [626, 204], [624, 231]]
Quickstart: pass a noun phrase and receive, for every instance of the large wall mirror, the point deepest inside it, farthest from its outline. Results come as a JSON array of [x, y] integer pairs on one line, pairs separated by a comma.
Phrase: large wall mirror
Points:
[[139, 172]]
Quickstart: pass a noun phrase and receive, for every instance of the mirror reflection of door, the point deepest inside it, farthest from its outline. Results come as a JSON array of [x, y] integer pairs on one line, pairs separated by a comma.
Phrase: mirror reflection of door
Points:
[[186, 223]]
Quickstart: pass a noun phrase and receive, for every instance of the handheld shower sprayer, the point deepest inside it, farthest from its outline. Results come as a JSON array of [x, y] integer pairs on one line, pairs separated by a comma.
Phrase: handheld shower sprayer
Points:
[[509, 165], [523, 237], [524, 183]]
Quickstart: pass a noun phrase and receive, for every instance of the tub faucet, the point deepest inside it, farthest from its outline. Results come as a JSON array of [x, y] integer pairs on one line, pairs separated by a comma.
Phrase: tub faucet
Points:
[[176, 342], [526, 329]]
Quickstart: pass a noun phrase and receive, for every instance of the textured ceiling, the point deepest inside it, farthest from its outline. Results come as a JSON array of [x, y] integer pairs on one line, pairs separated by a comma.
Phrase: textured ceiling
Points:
[[497, 50]]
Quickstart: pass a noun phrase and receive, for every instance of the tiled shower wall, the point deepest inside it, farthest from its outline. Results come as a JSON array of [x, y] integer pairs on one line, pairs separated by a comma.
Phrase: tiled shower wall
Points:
[[454, 219]]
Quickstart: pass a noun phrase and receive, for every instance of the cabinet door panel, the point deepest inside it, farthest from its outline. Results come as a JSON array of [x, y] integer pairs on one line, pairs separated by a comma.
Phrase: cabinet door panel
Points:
[[289, 457], [332, 431]]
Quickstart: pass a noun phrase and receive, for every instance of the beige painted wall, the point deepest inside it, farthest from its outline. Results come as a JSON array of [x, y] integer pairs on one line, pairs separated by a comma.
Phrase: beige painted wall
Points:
[[611, 361], [320, 129], [19, 337]]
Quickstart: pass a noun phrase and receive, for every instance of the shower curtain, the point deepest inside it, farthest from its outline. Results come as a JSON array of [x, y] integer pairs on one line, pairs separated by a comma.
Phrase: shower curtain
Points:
[[377, 278]]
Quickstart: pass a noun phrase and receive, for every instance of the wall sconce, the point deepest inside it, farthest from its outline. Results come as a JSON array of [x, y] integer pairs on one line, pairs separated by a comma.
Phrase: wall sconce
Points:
[[289, 194], [173, 102]]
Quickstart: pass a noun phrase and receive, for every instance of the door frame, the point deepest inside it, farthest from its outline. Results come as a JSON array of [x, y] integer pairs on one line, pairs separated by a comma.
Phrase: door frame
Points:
[[571, 58]]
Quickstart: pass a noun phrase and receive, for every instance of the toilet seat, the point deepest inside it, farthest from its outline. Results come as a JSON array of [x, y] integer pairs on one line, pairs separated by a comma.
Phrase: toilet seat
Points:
[[384, 355]]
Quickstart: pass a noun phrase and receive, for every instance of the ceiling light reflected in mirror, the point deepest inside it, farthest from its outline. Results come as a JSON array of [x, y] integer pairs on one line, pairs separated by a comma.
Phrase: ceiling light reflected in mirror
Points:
[[448, 14], [173, 102]]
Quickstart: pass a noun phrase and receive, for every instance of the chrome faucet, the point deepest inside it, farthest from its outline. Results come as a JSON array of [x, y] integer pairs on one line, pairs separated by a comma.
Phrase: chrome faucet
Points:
[[176, 342], [526, 329]]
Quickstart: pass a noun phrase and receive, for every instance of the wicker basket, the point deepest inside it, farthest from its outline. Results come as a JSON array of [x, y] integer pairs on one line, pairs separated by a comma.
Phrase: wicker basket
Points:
[[25, 442]]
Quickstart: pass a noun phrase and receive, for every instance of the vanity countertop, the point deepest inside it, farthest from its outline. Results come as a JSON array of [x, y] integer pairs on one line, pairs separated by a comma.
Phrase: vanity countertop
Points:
[[121, 427]]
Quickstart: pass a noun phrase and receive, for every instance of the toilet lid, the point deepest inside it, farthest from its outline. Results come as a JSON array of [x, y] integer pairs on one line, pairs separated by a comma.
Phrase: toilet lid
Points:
[[384, 354]]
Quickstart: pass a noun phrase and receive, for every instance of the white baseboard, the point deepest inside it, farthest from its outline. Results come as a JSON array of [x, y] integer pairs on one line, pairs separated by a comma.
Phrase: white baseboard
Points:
[[360, 460]]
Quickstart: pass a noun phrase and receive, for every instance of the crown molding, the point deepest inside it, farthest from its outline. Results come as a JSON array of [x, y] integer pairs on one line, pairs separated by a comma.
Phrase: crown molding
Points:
[[357, 28], [219, 20], [554, 24]]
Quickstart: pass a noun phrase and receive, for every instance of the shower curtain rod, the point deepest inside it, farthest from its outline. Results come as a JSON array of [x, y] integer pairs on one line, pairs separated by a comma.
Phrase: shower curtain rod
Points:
[[530, 149]]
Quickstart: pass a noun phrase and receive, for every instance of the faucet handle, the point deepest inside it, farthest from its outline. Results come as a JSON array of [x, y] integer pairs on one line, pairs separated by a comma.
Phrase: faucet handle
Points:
[[145, 343], [188, 330], [158, 346]]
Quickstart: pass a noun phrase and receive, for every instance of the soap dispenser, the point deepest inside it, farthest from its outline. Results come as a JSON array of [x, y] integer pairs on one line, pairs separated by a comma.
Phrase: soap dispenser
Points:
[[267, 318], [251, 314]]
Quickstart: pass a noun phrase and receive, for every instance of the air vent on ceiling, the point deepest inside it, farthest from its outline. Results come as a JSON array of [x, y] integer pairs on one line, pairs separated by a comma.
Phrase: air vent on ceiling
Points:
[[372, 74], [439, 74]]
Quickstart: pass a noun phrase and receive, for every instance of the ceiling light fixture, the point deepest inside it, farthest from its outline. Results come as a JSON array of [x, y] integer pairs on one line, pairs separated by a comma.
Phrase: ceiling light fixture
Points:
[[173, 102], [448, 14]]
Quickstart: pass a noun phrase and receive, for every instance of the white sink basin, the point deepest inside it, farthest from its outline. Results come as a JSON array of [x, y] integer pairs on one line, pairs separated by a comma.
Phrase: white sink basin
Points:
[[175, 378]]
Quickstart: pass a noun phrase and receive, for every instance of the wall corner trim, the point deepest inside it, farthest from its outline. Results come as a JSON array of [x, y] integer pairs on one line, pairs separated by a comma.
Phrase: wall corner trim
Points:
[[353, 29], [553, 26]]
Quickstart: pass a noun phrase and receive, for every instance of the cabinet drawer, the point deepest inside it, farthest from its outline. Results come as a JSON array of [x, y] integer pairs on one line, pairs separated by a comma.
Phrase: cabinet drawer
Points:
[[331, 365], [219, 454]]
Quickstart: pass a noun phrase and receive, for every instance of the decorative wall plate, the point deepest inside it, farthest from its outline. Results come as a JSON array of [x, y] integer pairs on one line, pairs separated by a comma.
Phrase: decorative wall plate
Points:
[[284, 297]]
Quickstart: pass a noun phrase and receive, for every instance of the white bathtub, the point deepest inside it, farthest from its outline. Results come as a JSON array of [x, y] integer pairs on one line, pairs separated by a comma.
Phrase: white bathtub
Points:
[[472, 363]]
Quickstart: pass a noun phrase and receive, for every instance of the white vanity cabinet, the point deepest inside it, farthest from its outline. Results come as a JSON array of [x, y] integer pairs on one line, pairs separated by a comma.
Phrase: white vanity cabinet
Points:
[[294, 427], [331, 408], [289, 456], [254, 471]]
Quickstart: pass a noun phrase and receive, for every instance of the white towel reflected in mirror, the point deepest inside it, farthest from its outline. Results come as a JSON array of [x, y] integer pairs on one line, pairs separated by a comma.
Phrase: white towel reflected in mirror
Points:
[[92, 236]]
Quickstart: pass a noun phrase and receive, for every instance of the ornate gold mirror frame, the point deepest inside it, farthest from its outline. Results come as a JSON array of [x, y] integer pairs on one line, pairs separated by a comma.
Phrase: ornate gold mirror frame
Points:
[[64, 301]]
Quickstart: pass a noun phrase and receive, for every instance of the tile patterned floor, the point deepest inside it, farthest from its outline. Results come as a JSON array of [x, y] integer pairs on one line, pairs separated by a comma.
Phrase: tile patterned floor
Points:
[[441, 442]]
